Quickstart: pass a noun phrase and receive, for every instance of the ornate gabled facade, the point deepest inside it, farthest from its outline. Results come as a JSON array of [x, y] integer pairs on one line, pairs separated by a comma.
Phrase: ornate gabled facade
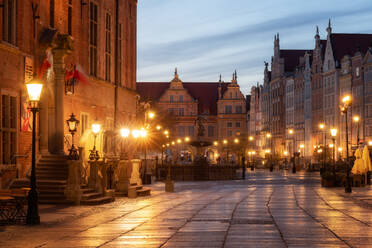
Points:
[[342, 75], [317, 89], [284, 63], [314, 82], [222, 105]]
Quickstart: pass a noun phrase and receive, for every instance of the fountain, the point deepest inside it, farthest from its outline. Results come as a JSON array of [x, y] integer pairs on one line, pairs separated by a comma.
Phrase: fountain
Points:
[[199, 144]]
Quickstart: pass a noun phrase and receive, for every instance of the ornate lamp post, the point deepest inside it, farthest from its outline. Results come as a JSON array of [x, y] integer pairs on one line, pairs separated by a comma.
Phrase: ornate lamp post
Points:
[[322, 128], [94, 155], [72, 124], [291, 132], [34, 89], [124, 133], [356, 119], [333, 146], [269, 136], [346, 103], [225, 143]]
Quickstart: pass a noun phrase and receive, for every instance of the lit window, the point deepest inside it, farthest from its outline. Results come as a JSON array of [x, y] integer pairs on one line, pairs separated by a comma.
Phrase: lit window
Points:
[[9, 21]]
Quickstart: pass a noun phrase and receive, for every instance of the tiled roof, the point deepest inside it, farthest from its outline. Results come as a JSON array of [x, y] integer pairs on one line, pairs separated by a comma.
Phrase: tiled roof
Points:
[[349, 44], [291, 58], [205, 92]]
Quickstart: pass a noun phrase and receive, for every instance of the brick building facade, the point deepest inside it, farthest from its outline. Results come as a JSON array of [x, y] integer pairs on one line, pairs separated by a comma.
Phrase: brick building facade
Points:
[[314, 82], [222, 106], [95, 38]]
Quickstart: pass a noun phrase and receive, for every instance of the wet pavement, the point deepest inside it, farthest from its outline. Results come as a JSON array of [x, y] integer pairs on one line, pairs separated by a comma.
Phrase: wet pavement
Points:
[[276, 209]]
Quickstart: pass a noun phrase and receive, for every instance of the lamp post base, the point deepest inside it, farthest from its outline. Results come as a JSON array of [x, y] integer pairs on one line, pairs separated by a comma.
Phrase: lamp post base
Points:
[[294, 169], [169, 185], [33, 217]]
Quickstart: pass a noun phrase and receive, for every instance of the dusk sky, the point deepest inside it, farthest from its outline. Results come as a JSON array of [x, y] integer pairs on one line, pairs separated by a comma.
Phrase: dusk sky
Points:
[[205, 38]]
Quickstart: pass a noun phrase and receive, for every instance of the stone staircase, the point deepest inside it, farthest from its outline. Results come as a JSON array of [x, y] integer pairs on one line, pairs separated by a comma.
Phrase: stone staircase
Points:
[[51, 174], [141, 191], [92, 197]]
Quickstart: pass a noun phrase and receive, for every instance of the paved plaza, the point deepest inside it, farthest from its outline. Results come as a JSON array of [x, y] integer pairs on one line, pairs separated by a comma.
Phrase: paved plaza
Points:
[[276, 209]]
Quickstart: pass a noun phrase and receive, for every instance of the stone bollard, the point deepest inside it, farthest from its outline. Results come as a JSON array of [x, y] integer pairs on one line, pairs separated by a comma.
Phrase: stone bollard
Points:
[[124, 171], [169, 186], [73, 189]]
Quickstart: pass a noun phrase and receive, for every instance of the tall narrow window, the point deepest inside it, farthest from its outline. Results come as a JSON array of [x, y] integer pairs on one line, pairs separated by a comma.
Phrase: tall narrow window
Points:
[[84, 123], [9, 21], [69, 18], [51, 13], [119, 65], [108, 48], [8, 129], [93, 28]]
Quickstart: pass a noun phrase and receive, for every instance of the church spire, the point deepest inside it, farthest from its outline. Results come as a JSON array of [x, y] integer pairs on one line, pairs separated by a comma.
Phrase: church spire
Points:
[[329, 28]]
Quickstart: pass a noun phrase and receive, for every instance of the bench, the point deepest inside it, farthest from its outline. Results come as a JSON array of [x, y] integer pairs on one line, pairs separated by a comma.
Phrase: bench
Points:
[[12, 206]]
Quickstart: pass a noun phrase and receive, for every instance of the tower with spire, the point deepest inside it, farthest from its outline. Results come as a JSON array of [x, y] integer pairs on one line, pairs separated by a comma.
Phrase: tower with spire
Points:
[[176, 82]]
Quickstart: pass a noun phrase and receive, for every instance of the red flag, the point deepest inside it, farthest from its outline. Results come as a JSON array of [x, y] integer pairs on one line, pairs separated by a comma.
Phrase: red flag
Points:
[[69, 74], [45, 65], [79, 75]]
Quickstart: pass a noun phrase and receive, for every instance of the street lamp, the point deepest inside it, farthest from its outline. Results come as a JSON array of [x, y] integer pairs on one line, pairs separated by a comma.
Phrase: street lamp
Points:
[[34, 89], [158, 127], [269, 136], [291, 132], [94, 156], [322, 127], [346, 103], [333, 146], [72, 124], [124, 133], [151, 115], [356, 119]]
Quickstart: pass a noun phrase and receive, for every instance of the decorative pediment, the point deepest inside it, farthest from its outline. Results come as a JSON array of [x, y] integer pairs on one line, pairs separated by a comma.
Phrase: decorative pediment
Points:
[[368, 57], [176, 82]]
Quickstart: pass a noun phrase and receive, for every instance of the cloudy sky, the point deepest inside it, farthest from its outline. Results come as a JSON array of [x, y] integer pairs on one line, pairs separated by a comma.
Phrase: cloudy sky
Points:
[[205, 38]]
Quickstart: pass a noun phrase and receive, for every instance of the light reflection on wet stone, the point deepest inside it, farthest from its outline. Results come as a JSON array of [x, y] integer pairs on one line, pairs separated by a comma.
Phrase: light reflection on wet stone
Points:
[[266, 210]]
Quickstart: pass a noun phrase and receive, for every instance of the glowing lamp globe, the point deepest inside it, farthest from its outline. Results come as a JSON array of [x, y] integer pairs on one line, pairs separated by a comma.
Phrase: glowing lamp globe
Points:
[[124, 132], [333, 132], [151, 115], [96, 128], [136, 133], [72, 123], [143, 133], [34, 89]]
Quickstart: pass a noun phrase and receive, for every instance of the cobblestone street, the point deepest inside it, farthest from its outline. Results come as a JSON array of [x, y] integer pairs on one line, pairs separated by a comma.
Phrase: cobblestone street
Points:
[[276, 209]]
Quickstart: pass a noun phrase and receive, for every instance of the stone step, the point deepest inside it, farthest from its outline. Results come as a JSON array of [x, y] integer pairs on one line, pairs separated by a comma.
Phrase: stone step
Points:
[[53, 167], [98, 201], [55, 201], [51, 182], [48, 190], [43, 176], [87, 190], [51, 196], [144, 192], [89, 196], [139, 187]]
